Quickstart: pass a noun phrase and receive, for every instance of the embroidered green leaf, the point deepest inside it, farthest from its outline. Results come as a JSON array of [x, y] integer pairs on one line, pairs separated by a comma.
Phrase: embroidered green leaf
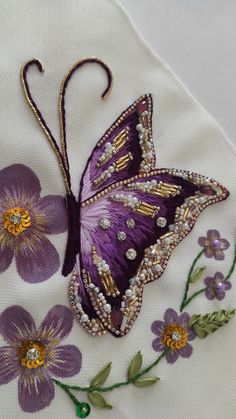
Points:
[[146, 382], [101, 377], [203, 325], [98, 400], [197, 274], [135, 365]]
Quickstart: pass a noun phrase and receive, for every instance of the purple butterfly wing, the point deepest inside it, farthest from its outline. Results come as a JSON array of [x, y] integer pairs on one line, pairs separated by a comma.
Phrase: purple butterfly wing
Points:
[[128, 230], [125, 150]]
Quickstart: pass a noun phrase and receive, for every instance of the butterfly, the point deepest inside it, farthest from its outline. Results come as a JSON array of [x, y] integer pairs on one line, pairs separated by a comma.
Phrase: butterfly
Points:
[[128, 217]]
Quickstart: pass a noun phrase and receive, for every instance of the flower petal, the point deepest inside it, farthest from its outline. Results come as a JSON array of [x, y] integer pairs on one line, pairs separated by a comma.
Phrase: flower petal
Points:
[[157, 327], [191, 334], [9, 364], [208, 281], [35, 390], [183, 319], [186, 351], [172, 356], [219, 255], [219, 276], [213, 235], [224, 244], [52, 213], [171, 316], [208, 252], [228, 285], [37, 259], [19, 180], [64, 361], [17, 325], [6, 256], [158, 345], [56, 325], [220, 295], [202, 241], [210, 293]]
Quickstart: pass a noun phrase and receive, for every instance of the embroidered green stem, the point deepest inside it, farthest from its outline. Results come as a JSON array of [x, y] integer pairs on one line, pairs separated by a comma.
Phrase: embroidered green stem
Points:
[[183, 304], [189, 299], [67, 387], [186, 299], [232, 266]]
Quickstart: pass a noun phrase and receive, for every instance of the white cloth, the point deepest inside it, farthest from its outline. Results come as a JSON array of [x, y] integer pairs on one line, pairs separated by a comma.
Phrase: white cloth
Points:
[[59, 33]]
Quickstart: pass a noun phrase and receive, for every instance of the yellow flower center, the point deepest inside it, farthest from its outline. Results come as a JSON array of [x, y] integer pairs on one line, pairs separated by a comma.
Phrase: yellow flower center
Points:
[[32, 355], [16, 220], [175, 336]]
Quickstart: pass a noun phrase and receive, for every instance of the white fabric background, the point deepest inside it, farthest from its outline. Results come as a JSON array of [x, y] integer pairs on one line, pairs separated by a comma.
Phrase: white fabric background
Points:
[[59, 33], [195, 38]]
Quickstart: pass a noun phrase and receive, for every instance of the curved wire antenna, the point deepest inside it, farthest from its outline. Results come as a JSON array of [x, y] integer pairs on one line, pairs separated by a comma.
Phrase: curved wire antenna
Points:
[[62, 111], [41, 120], [62, 155]]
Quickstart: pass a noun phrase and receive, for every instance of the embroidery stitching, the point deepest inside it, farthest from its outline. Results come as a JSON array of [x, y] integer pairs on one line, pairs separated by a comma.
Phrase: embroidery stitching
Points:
[[26, 219], [120, 184]]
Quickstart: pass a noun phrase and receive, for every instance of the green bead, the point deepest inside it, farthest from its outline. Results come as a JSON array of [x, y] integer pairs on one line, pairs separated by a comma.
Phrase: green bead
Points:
[[82, 410]]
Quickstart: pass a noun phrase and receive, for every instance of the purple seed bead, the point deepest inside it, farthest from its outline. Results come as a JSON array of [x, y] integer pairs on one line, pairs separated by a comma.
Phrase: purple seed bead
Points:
[[216, 244], [220, 287]]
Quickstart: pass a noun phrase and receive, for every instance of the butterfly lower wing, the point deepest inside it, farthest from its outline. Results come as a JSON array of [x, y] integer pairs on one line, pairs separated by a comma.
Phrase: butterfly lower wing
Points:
[[125, 150], [128, 231]]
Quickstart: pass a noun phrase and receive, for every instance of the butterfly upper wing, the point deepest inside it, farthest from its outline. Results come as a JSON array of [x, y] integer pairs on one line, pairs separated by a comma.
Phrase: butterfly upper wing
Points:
[[130, 221], [125, 150]]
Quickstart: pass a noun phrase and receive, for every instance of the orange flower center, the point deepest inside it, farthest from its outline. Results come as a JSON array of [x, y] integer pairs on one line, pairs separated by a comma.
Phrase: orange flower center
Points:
[[16, 220], [175, 336], [32, 354]]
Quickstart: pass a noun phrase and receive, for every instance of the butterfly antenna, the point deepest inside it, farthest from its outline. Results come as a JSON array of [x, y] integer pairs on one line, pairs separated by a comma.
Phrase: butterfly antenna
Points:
[[42, 122], [62, 111]]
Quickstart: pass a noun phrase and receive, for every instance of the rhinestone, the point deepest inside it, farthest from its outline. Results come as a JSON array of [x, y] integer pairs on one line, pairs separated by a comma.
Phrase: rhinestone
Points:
[[32, 354], [176, 336], [104, 223], [161, 222], [131, 254], [16, 219], [130, 223], [121, 236], [158, 268]]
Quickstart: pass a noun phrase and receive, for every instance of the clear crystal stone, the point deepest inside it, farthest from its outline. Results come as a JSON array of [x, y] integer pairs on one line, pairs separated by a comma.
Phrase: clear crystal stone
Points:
[[131, 254], [130, 223], [161, 222], [32, 354], [176, 336], [16, 219], [121, 236], [104, 223]]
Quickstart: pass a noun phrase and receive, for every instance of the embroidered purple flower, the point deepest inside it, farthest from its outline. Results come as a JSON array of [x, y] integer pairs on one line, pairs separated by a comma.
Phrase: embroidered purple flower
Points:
[[173, 335], [34, 355], [214, 245], [216, 286], [25, 218]]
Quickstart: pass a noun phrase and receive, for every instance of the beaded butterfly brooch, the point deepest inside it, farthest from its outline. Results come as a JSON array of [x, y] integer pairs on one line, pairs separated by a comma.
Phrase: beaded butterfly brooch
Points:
[[128, 217]]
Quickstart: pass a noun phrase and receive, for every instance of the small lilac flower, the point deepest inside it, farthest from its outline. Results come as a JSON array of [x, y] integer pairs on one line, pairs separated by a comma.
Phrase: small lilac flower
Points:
[[25, 218], [214, 245], [173, 335], [216, 286], [34, 355]]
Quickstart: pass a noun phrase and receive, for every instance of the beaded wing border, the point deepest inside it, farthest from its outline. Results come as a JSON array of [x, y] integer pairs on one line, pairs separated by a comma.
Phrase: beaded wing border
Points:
[[128, 216]]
